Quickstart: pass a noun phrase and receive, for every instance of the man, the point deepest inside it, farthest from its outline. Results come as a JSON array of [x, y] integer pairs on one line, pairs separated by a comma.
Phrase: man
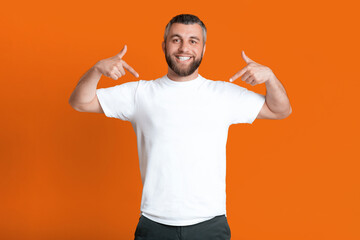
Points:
[[181, 121]]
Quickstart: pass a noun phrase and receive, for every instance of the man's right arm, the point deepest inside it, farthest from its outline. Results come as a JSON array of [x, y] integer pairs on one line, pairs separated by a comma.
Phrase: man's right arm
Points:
[[84, 98]]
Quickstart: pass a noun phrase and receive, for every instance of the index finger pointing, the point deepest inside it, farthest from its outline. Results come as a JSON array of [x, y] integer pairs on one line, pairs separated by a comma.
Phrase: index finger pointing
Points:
[[238, 74], [130, 69]]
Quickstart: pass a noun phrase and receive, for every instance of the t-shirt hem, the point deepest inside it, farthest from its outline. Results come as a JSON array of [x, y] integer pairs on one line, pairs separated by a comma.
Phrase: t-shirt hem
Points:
[[101, 101], [179, 223], [257, 108]]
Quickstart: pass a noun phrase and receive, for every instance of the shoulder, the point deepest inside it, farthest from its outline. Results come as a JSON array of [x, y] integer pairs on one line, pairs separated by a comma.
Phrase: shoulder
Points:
[[222, 83], [135, 84], [228, 87], [148, 83], [224, 87]]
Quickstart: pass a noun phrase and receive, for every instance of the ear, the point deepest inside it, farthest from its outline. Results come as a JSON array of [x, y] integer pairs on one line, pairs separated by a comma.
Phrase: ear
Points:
[[204, 49], [163, 46]]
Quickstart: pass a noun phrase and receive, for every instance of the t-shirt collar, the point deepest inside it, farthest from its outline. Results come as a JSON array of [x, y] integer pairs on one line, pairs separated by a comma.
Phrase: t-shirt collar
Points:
[[195, 81]]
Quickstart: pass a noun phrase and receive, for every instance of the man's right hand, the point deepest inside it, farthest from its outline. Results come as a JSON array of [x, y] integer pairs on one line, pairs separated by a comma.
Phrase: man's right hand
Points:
[[113, 67]]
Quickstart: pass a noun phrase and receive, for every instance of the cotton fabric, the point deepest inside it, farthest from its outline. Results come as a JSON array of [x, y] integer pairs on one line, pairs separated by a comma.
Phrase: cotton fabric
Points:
[[181, 130]]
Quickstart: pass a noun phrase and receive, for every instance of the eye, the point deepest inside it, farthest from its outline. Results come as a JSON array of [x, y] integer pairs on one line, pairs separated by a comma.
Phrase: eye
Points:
[[176, 40], [193, 41]]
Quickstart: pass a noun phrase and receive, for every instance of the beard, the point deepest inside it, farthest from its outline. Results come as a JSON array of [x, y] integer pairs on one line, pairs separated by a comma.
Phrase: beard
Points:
[[183, 72]]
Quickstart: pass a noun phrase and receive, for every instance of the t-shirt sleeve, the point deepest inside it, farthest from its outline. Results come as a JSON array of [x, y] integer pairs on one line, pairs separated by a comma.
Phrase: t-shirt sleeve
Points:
[[118, 101], [242, 105]]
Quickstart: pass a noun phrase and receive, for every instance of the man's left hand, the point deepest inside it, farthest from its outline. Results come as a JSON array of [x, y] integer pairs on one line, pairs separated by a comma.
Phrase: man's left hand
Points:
[[253, 73]]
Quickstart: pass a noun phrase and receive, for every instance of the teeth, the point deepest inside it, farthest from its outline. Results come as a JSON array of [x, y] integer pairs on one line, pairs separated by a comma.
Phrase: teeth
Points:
[[183, 58]]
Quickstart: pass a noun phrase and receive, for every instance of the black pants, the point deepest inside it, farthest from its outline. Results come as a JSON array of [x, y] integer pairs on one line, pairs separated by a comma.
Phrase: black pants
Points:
[[216, 228]]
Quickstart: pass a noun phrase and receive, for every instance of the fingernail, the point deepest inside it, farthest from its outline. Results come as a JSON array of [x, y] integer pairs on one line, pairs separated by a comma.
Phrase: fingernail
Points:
[[231, 80]]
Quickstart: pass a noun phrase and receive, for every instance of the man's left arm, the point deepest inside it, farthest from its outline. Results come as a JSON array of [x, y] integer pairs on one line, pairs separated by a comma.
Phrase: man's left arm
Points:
[[277, 104]]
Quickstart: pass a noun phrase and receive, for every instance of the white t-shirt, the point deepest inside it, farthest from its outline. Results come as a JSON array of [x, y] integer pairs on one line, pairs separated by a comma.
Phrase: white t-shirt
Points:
[[181, 130]]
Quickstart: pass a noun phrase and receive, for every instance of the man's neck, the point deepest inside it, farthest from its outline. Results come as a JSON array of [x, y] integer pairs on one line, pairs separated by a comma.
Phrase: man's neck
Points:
[[173, 76]]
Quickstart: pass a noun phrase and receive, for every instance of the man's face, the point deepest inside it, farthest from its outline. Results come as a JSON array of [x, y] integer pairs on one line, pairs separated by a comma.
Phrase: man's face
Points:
[[184, 48]]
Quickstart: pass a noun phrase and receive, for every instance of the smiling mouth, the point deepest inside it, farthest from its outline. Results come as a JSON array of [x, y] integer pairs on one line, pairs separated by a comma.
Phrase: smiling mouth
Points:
[[182, 59]]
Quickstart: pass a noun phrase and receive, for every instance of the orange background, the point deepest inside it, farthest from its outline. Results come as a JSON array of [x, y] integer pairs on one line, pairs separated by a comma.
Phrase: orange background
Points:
[[71, 175]]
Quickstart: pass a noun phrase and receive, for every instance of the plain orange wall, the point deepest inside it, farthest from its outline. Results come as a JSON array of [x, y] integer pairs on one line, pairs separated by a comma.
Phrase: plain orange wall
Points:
[[71, 175]]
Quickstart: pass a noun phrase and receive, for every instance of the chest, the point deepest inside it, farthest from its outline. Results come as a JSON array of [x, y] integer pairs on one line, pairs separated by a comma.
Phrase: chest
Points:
[[173, 112]]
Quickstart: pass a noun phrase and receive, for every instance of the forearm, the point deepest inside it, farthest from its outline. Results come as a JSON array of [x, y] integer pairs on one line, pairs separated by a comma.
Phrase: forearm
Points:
[[276, 97], [85, 90]]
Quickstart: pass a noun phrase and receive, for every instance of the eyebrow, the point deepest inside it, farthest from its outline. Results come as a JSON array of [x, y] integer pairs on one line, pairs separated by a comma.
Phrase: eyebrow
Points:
[[177, 35]]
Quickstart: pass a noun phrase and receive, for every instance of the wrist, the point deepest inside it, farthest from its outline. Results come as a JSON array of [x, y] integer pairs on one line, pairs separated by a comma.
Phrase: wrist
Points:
[[96, 67], [272, 80]]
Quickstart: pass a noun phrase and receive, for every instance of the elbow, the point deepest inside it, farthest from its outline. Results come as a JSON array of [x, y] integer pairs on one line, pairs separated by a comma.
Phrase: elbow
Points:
[[285, 114], [282, 115], [71, 101], [74, 106]]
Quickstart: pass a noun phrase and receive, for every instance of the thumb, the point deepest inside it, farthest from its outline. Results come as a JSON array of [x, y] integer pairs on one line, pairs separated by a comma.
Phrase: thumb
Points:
[[246, 58], [122, 52]]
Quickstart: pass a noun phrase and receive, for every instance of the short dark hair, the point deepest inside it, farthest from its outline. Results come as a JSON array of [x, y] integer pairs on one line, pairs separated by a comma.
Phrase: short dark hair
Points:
[[185, 19]]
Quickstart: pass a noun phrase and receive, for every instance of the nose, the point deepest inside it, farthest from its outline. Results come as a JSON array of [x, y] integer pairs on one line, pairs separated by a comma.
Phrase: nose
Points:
[[184, 47]]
